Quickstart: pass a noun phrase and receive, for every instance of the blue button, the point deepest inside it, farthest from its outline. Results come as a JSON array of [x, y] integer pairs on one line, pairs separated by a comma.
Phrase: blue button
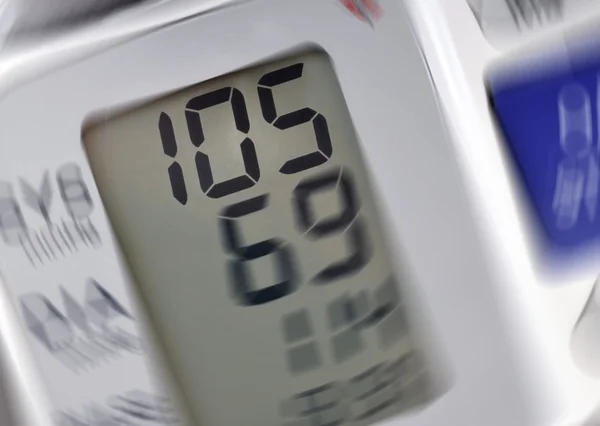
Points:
[[550, 121]]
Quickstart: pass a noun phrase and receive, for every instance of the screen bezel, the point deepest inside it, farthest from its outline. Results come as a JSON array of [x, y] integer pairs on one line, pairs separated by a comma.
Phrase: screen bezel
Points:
[[368, 63]]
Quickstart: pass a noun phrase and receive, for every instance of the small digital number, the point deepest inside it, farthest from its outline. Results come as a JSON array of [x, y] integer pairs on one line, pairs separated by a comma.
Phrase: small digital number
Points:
[[346, 221], [239, 278], [293, 119]]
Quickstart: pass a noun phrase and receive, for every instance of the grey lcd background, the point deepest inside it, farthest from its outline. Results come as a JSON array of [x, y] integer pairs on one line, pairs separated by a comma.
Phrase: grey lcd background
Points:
[[244, 364]]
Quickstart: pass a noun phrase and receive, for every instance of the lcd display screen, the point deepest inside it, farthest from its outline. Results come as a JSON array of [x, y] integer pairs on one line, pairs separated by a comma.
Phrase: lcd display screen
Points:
[[244, 210]]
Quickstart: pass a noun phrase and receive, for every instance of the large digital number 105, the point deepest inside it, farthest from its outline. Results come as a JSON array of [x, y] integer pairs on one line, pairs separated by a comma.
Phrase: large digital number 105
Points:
[[242, 123], [347, 221]]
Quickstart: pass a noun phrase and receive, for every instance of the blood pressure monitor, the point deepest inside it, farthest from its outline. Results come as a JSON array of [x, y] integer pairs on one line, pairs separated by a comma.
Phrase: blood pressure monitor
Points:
[[276, 294], [258, 213]]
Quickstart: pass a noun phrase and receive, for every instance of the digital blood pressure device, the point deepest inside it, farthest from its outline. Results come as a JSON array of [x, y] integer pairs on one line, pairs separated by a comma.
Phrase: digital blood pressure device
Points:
[[267, 212]]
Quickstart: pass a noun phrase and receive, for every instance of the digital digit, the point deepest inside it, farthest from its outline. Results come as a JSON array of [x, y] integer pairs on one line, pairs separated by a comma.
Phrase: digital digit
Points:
[[242, 123], [167, 136], [345, 222], [240, 279], [293, 119]]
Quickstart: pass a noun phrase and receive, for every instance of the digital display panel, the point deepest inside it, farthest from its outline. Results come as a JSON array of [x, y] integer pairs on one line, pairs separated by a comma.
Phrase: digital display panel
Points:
[[245, 212], [546, 109]]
